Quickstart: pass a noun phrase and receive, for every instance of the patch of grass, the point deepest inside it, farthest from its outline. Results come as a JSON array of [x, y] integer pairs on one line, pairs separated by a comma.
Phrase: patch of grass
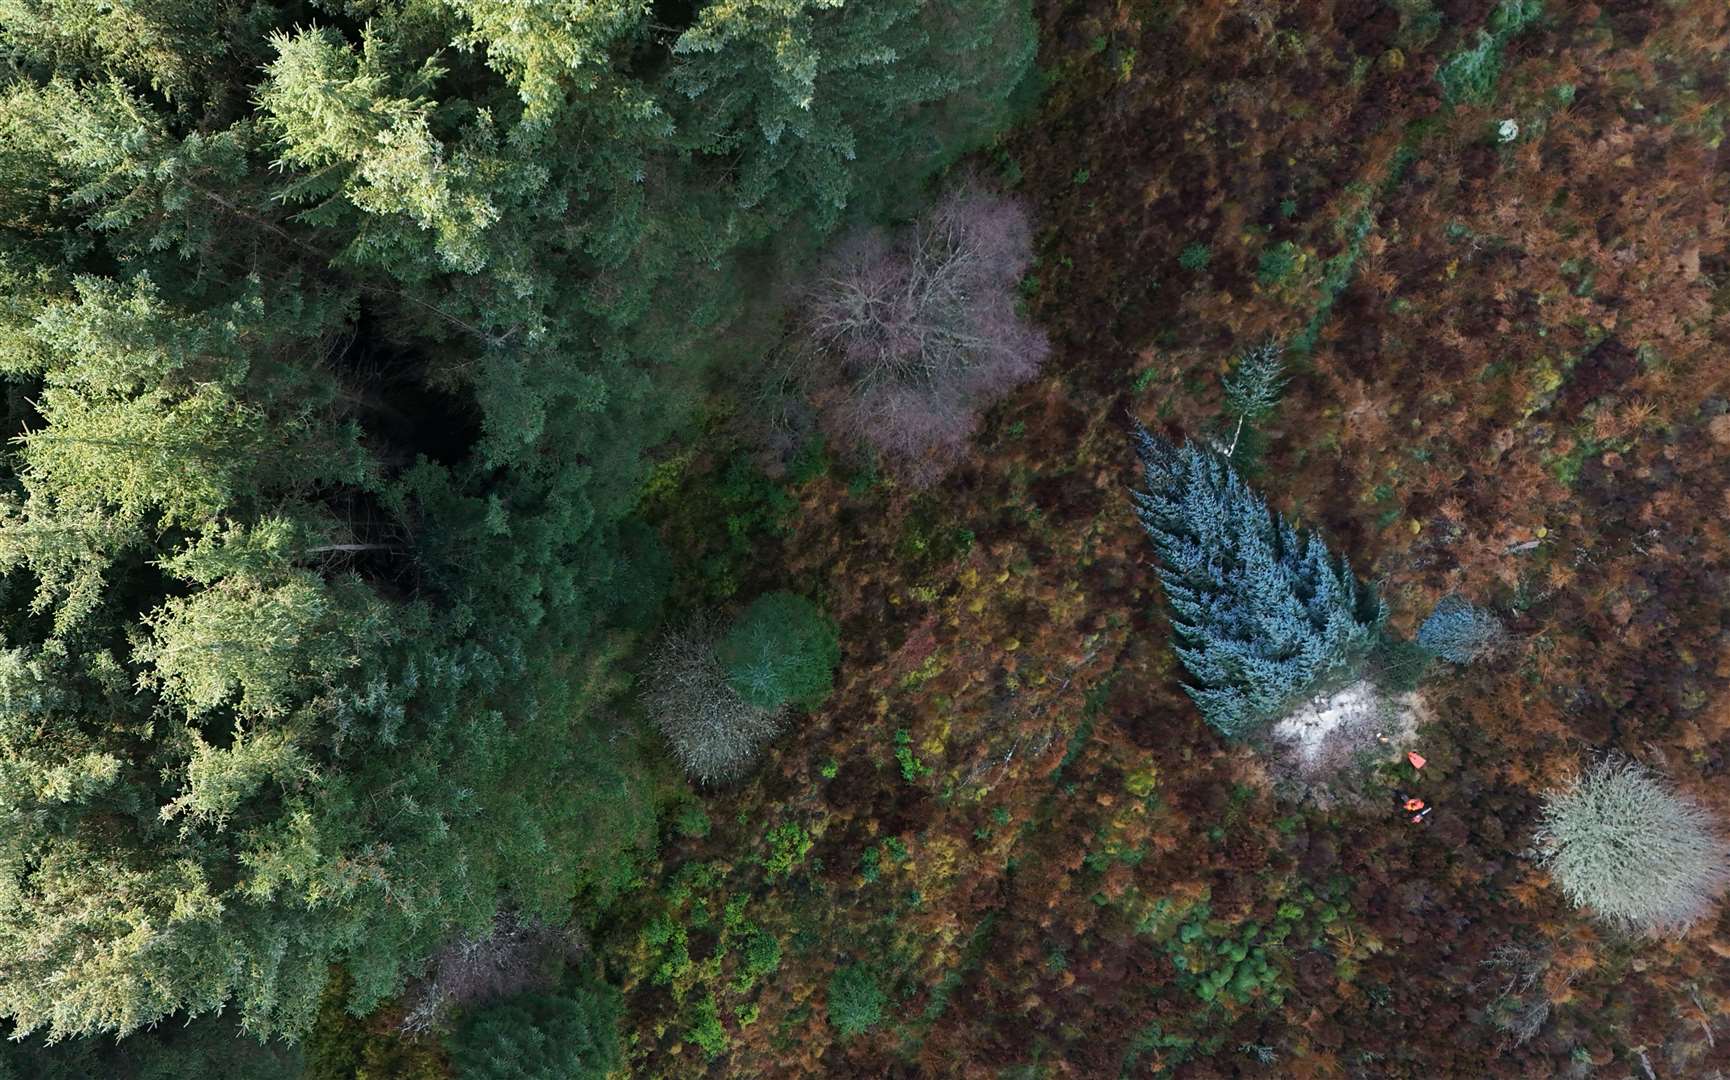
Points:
[[864, 478], [1566, 467], [970, 958], [809, 463], [931, 539], [1470, 75], [1420, 22], [871, 859], [1175, 1048]]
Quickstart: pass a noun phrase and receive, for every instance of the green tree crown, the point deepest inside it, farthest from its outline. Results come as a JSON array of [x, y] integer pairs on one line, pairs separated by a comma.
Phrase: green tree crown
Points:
[[781, 650]]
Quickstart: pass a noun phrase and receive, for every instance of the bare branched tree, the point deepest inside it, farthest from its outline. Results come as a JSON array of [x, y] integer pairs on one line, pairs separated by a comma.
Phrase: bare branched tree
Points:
[[1523, 1001], [1622, 841], [908, 337], [519, 955], [714, 733]]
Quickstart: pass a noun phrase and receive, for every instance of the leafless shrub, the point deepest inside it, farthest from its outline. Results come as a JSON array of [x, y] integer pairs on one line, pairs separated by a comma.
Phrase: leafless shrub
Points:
[[1523, 998], [715, 734], [1642, 855], [909, 336], [519, 955]]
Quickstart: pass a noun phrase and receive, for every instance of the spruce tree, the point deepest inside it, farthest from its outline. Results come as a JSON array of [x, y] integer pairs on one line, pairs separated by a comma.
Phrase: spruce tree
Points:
[[793, 92], [570, 1035], [1262, 612], [1252, 390], [1461, 632], [1255, 383]]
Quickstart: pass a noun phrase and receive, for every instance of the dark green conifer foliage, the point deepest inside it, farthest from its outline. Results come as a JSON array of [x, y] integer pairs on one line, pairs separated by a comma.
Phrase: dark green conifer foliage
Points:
[[335, 352], [572, 1035], [781, 650], [1253, 389], [209, 1049], [1263, 613], [1255, 383], [797, 91], [856, 1001]]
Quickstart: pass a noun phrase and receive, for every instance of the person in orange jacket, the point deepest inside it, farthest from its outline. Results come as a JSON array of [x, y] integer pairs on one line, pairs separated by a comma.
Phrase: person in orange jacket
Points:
[[1416, 807]]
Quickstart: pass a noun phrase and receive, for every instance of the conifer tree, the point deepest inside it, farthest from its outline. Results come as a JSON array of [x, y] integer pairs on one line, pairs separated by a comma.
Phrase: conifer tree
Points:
[[795, 91], [1263, 613], [781, 650], [1253, 387], [1460, 632], [571, 1035]]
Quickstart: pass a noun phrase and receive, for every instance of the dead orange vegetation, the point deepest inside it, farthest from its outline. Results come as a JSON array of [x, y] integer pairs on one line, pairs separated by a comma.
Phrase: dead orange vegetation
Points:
[[1520, 395]]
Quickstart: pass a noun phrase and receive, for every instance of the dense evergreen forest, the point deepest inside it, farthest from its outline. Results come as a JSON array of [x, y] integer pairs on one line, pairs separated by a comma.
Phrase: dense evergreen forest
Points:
[[551, 539]]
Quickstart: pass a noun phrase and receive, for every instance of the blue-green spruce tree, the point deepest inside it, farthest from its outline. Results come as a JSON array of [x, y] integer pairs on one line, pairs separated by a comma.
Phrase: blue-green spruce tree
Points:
[[1460, 633], [1262, 612]]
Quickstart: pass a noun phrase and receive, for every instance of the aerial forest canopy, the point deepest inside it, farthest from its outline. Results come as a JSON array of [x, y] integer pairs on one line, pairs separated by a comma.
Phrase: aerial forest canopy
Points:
[[845, 539], [334, 338]]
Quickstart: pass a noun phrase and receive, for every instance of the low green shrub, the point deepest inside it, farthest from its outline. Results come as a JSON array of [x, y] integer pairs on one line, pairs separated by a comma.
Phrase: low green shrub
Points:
[[572, 1035], [855, 1000], [781, 650], [789, 843], [707, 1032]]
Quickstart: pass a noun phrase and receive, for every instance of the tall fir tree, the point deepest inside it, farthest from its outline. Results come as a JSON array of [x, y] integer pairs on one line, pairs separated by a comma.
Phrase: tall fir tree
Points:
[[1262, 612]]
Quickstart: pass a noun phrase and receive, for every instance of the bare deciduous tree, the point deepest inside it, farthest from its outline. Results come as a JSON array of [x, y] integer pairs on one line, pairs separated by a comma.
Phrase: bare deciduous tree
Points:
[[715, 734], [1622, 841], [519, 955], [908, 337]]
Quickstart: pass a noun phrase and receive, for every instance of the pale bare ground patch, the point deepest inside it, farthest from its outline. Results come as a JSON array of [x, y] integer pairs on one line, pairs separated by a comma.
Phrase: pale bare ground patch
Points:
[[1322, 751]]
